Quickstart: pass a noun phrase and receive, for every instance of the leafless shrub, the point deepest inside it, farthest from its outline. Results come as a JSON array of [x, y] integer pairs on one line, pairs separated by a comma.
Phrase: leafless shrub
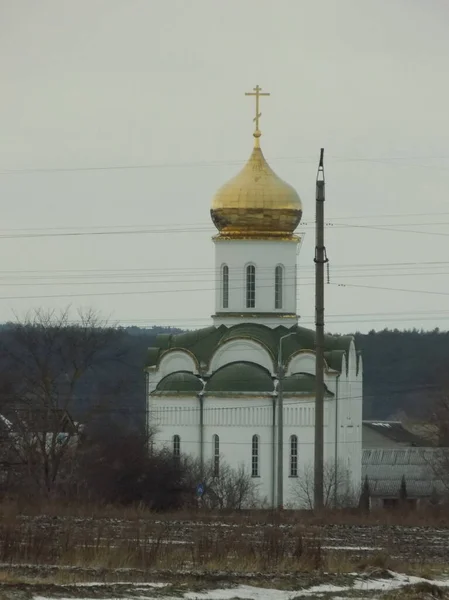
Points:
[[336, 487], [231, 489]]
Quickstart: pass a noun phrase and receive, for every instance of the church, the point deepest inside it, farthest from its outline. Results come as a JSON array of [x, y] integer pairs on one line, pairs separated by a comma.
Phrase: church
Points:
[[213, 393]]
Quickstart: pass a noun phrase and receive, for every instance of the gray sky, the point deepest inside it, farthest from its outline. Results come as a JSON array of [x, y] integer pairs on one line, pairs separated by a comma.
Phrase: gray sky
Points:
[[126, 83]]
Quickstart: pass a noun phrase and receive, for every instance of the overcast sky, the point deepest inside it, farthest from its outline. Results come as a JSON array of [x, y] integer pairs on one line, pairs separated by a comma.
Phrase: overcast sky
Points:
[[93, 89]]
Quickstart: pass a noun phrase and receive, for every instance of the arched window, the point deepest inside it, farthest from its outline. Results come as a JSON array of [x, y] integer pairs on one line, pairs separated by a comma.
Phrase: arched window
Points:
[[176, 446], [250, 286], [293, 456], [216, 446], [225, 286], [278, 286], [255, 456]]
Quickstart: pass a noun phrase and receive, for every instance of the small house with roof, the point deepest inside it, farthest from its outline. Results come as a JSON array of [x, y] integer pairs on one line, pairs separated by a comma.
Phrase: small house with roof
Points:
[[214, 393]]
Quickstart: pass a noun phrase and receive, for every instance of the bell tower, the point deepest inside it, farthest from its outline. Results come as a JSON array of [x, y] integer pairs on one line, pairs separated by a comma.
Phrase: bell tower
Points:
[[256, 214]]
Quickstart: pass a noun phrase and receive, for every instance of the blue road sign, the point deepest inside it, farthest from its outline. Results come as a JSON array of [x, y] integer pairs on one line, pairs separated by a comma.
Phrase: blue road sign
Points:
[[200, 489]]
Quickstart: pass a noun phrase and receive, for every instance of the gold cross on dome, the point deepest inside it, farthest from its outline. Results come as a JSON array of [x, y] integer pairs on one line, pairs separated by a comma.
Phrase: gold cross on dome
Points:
[[257, 93]]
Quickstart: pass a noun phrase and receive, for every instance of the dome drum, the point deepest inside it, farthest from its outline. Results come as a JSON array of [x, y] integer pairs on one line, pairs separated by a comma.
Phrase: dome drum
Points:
[[255, 222]]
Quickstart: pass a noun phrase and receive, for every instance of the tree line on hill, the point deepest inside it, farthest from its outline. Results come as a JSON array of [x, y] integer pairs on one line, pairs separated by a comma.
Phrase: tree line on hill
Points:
[[404, 371], [72, 409]]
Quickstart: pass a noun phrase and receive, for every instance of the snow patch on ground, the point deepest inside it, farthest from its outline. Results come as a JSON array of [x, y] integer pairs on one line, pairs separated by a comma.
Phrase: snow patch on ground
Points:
[[354, 548], [245, 592], [138, 591], [135, 586]]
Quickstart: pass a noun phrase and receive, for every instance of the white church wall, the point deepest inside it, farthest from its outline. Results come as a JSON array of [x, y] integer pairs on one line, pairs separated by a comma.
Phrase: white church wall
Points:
[[236, 420], [350, 398], [304, 361], [170, 416], [299, 420], [177, 360], [357, 408], [265, 255], [153, 377], [241, 350], [301, 362]]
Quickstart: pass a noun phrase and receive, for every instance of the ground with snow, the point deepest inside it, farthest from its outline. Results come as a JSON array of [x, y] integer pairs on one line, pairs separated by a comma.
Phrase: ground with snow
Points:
[[66, 558], [385, 585], [414, 544]]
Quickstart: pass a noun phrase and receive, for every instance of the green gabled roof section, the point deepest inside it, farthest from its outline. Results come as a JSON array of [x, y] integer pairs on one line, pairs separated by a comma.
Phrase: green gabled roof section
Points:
[[304, 383], [180, 382], [334, 359], [240, 377], [236, 378], [203, 343]]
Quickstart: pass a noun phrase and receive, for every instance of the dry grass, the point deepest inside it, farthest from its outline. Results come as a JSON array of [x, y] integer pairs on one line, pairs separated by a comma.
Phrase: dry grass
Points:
[[94, 542], [420, 591], [427, 516], [152, 546]]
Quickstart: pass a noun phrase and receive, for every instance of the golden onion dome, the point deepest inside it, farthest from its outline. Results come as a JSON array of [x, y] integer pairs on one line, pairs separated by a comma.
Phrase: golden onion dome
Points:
[[256, 202]]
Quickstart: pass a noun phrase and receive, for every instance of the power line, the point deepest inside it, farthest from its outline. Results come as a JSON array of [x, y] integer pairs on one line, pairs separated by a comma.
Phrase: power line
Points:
[[177, 291], [211, 270], [196, 279], [198, 229], [381, 228], [390, 289], [227, 162]]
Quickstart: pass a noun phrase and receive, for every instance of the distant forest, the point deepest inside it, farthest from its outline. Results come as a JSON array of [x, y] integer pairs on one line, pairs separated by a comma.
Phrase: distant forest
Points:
[[404, 371]]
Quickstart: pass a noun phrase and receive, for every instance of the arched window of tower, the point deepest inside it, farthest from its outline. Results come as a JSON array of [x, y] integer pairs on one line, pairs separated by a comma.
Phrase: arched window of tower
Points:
[[250, 286], [225, 286], [278, 286]]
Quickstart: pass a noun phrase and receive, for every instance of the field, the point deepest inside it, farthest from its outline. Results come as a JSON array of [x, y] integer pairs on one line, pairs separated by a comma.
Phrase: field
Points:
[[106, 553]]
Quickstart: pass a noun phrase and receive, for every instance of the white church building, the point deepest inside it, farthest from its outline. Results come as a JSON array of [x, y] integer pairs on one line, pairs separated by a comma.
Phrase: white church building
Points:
[[213, 392]]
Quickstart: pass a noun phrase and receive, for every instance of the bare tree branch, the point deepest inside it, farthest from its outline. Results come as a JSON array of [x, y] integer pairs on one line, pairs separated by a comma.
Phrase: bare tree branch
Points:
[[45, 361]]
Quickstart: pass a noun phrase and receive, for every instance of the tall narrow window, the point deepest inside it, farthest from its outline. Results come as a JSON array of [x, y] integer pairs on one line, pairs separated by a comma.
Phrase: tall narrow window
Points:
[[293, 456], [278, 285], [225, 285], [216, 445], [250, 286], [176, 447], [255, 456]]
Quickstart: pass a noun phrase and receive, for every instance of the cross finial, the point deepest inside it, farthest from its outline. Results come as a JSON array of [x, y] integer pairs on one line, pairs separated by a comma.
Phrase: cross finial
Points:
[[257, 93]]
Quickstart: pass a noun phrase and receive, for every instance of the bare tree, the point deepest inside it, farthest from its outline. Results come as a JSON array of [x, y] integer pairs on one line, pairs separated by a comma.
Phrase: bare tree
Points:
[[230, 489], [336, 483], [365, 496], [436, 429], [45, 361], [434, 422]]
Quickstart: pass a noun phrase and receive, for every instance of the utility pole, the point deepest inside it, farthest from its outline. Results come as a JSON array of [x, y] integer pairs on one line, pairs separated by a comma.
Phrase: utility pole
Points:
[[320, 260], [280, 390], [280, 473]]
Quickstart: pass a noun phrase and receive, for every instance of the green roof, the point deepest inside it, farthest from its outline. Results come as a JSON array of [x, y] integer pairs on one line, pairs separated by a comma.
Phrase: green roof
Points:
[[240, 377], [180, 382], [236, 377], [203, 343], [302, 382]]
